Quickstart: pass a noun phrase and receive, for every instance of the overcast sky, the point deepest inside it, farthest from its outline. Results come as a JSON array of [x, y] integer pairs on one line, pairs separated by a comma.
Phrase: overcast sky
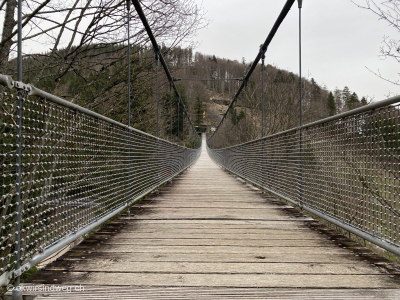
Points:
[[339, 41]]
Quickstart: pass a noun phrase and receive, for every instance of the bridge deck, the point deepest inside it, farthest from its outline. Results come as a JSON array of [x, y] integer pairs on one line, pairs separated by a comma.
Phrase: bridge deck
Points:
[[209, 236]]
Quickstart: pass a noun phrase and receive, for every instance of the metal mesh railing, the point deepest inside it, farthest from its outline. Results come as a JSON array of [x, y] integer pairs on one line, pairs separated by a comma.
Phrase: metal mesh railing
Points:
[[77, 168], [346, 169]]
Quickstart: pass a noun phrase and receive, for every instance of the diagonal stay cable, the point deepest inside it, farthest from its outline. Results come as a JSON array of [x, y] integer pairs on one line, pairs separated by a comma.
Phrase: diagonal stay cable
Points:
[[263, 49], [157, 50]]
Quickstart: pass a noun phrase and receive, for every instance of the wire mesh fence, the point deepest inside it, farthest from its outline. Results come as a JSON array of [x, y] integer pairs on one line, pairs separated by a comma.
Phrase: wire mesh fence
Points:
[[345, 168], [76, 168]]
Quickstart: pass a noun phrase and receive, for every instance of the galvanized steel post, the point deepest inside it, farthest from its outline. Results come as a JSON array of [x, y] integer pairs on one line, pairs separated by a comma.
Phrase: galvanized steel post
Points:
[[157, 92], [263, 164], [262, 89], [236, 122], [128, 7], [170, 109], [300, 2], [17, 292], [245, 113], [178, 118]]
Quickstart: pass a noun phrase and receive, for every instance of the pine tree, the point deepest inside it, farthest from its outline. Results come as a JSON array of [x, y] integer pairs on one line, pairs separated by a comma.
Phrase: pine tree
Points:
[[353, 102], [364, 101], [346, 94], [338, 100], [331, 105]]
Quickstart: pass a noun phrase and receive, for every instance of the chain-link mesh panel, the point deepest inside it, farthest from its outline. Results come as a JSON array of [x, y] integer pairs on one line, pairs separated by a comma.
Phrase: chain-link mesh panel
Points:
[[8, 111], [349, 168], [76, 169]]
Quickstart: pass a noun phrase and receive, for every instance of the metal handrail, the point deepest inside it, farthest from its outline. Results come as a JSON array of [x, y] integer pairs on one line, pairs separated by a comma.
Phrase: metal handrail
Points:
[[350, 169], [78, 169]]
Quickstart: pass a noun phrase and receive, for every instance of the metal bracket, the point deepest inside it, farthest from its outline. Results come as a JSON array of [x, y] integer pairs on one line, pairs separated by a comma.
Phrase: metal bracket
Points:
[[300, 2], [14, 274], [7, 81], [301, 206], [262, 52], [157, 52], [22, 86]]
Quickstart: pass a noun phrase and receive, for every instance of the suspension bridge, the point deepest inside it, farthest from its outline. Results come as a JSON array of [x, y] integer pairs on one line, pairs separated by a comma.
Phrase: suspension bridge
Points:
[[151, 219]]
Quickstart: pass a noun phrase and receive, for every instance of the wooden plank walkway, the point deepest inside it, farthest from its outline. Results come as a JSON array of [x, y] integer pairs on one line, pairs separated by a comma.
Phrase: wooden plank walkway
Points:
[[209, 236]]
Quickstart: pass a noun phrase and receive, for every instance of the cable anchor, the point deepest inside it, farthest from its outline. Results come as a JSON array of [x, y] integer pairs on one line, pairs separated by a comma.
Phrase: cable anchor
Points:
[[262, 52], [157, 52]]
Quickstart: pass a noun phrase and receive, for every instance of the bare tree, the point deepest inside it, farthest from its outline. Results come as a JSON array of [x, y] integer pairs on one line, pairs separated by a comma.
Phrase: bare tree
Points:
[[67, 23], [389, 11], [85, 52]]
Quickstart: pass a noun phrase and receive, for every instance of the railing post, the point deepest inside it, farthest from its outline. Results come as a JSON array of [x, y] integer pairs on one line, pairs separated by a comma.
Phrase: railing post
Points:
[[179, 102], [262, 116], [128, 7], [245, 127], [300, 4], [245, 112], [236, 122], [17, 292], [170, 108], [157, 57], [262, 90]]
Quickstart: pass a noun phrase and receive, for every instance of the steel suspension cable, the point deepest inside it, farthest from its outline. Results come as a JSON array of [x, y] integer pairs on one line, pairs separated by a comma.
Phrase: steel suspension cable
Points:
[[157, 93], [262, 115], [128, 7], [245, 125], [157, 49], [300, 4], [245, 113], [170, 109], [262, 93], [236, 123], [17, 293], [281, 17]]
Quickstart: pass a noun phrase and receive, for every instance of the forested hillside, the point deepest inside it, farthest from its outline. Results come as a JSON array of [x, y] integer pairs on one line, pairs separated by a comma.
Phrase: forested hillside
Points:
[[281, 89], [97, 80]]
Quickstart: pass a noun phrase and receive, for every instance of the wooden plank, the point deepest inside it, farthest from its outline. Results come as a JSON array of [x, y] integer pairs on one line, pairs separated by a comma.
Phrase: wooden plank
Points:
[[209, 236], [189, 234], [113, 265], [256, 250], [78, 254], [209, 242], [220, 280], [94, 292], [165, 293]]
